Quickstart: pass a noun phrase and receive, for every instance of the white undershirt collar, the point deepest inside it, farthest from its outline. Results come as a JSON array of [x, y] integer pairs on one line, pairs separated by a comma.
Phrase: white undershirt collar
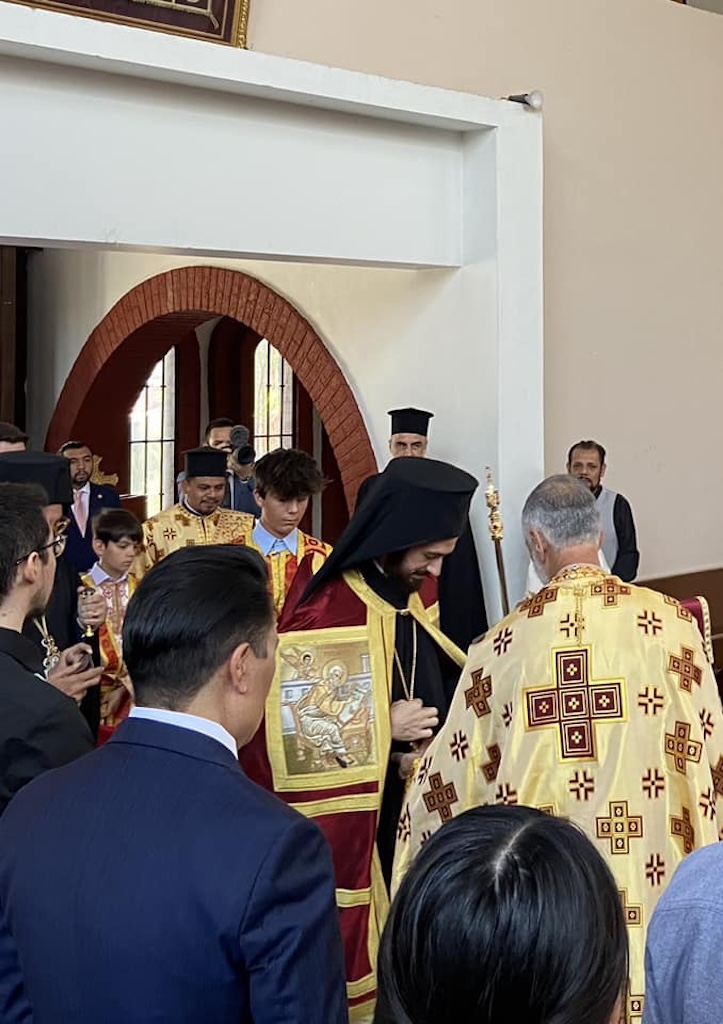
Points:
[[194, 723]]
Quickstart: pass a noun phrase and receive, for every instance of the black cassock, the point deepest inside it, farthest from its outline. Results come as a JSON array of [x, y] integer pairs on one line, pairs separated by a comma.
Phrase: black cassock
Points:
[[462, 613], [434, 683], [40, 728], [61, 617]]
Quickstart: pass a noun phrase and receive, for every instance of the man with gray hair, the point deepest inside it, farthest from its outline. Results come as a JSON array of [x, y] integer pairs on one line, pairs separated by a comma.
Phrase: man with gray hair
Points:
[[593, 700]]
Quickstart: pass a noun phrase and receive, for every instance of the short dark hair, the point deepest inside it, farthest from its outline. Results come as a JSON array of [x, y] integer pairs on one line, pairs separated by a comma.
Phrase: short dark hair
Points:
[[507, 914], [288, 473], [220, 421], [186, 617], [12, 434], [588, 446], [69, 445], [23, 529], [114, 524]]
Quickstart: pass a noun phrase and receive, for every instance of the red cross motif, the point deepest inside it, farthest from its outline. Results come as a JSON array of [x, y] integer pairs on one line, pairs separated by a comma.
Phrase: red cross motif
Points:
[[717, 774], [653, 783], [633, 911], [682, 611], [477, 695], [169, 533], [502, 641], [459, 746], [655, 869], [581, 786], [682, 748], [684, 667], [706, 723], [650, 623], [440, 797], [423, 770], [683, 828], [707, 803], [650, 701], [506, 795], [619, 827], [404, 827], [575, 704], [609, 590], [535, 606], [490, 768]]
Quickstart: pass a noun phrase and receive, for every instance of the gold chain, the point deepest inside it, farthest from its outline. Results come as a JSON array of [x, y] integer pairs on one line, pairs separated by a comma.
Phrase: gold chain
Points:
[[52, 652], [408, 688]]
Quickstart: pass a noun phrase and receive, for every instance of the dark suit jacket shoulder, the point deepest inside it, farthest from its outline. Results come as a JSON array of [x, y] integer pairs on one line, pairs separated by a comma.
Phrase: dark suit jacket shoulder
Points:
[[163, 885], [40, 728]]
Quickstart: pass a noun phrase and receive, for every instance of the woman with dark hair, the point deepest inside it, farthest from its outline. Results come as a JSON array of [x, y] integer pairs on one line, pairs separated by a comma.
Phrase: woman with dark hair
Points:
[[507, 916]]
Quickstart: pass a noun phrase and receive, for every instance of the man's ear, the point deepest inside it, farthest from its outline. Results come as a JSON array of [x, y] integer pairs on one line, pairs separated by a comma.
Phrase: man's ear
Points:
[[98, 547], [30, 568], [538, 544], [238, 667], [603, 470]]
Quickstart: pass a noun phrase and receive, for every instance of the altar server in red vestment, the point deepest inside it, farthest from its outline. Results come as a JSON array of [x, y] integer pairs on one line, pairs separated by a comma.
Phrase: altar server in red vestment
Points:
[[364, 680]]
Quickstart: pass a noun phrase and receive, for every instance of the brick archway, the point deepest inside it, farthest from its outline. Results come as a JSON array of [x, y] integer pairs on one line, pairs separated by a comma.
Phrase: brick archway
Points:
[[205, 292]]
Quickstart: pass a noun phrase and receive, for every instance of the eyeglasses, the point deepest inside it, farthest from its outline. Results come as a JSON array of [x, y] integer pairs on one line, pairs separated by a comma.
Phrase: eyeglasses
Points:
[[57, 544]]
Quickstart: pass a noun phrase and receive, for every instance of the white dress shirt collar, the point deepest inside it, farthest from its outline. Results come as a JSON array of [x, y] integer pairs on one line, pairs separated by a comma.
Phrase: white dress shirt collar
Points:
[[269, 545], [100, 576], [84, 490], [183, 721]]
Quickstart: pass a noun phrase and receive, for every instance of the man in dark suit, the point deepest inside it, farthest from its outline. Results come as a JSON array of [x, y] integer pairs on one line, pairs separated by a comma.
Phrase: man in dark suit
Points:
[[40, 727], [152, 881], [88, 500]]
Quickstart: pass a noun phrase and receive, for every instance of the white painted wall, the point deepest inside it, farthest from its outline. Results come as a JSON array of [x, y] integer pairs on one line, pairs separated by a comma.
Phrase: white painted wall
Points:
[[207, 154], [402, 337]]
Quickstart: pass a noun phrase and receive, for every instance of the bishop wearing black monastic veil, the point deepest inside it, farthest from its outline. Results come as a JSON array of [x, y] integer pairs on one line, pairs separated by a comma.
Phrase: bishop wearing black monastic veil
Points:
[[462, 613]]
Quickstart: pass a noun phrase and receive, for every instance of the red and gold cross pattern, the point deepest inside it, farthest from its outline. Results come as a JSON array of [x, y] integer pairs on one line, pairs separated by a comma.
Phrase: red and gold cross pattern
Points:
[[682, 748], [490, 768], [619, 827], [440, 797], [683, 828], [633, 911], [535, 606], [575, 704], [476, 697], [609, 590], [684, 667]]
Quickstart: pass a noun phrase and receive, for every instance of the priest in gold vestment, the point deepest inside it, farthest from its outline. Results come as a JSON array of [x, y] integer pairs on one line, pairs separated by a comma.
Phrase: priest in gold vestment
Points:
[[198, 518], [594, 700]]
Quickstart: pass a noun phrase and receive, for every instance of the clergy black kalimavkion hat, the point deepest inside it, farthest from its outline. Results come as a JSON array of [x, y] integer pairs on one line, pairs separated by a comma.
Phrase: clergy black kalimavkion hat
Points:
[[410, 421], [51, 472], [413, 502], [205, 462]]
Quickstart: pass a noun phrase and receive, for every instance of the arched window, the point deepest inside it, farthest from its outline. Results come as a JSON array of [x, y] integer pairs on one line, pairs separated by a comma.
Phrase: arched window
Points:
[[273, 400], [152, 433]]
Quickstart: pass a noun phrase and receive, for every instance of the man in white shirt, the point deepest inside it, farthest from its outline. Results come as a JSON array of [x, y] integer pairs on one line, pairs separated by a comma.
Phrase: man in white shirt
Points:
[[156, 882]]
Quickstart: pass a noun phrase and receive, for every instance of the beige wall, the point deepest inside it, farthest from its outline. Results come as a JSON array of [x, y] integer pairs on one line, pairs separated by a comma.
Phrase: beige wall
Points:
[[633, 216]]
